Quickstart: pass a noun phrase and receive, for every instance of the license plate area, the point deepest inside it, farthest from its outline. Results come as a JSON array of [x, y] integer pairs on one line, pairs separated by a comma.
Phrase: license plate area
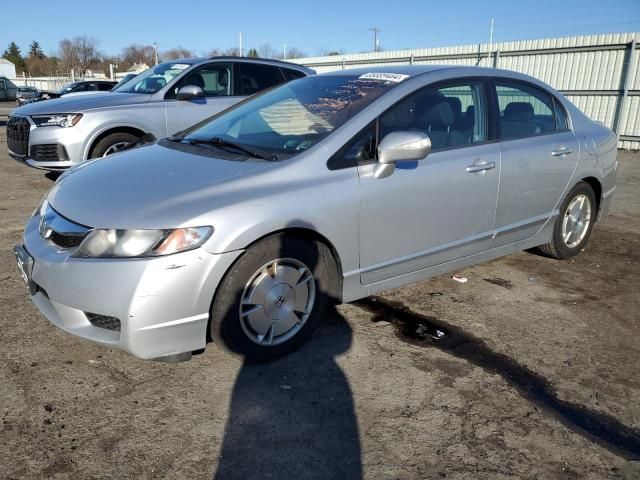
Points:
[[25, 266]]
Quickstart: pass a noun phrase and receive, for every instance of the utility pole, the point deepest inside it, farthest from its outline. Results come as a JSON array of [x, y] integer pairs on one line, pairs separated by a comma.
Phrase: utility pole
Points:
[[155, 51], [375, 31], [491, 33], [240, 43]]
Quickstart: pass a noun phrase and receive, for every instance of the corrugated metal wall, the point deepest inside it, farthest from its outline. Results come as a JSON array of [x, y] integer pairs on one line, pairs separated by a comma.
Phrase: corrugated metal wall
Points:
[[600, 74]]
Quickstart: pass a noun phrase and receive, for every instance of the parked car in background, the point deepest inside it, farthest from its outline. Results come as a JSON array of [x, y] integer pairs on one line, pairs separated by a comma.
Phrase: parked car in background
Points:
[[73, 88], [332, 187], [169, 97], [82, 86], [25, 94]]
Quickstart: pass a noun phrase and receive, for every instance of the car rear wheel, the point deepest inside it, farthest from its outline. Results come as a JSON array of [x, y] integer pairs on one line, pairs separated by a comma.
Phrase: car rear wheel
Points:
[[272, 298], [574, 223], [113, 143]]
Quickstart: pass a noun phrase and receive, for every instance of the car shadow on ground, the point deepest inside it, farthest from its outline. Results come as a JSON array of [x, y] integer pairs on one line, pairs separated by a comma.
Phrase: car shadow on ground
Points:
[[294, 417], [426, 331]]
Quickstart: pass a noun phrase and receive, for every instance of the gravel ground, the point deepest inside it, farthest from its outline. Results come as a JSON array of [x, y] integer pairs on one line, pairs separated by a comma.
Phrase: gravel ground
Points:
[[536, 376]]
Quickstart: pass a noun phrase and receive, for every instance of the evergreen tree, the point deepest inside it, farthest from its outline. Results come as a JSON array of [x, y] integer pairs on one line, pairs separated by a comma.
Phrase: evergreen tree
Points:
[[253, 53], [35, 51], [12, 53]]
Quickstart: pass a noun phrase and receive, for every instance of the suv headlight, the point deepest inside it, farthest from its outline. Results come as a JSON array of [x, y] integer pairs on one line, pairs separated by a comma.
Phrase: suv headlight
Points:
[[57, 119], [141, 243]]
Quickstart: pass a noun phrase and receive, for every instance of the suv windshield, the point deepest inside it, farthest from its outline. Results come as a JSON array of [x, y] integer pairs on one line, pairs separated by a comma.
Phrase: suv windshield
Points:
[[153, 79], [295, 116]]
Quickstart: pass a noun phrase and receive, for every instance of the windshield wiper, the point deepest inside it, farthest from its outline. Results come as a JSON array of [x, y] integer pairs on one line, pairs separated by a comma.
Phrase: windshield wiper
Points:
[[221, 142]]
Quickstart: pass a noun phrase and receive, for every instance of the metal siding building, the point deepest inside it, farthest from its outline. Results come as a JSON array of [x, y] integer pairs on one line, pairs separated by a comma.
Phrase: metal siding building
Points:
[[600, 74]]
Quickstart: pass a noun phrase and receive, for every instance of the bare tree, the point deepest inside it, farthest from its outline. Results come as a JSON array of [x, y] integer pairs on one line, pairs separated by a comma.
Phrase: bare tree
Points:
[[267, 51], [175, 53], [294, 52], [135, 53], [214, 52], [80, 53], [232, 52]]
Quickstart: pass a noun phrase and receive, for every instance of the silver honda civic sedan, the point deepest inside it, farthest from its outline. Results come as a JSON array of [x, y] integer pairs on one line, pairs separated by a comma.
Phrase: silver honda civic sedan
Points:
[[329, 188]]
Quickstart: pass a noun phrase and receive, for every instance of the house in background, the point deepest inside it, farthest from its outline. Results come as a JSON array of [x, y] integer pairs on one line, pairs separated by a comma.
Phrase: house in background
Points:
[[7, 68], [135, 68]]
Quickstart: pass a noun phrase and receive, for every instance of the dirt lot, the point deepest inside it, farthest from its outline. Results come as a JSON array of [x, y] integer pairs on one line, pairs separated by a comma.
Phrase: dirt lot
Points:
[[537, 376]]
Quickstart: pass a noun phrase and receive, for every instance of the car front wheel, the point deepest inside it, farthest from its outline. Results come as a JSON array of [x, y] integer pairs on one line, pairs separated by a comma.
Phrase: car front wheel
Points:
[[574, 223], [272, 298]]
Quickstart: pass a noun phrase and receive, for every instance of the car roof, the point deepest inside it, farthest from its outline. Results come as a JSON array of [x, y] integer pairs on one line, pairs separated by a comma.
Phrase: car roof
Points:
[[268, 61], [410, 70]]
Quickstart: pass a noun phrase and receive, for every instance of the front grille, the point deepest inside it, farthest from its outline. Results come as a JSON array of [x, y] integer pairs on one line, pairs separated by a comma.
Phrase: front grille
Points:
[[49, 152], [18, 135], [65, 240], [60, 230], [103, 321]]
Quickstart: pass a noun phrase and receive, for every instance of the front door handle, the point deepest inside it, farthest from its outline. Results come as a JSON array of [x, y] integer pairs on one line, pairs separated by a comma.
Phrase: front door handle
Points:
[[561, 151], [481, 167]]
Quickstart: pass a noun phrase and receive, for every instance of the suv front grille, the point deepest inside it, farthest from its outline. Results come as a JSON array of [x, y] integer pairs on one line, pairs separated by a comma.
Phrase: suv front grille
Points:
[[49, 152], [103, 321], [18, 135]]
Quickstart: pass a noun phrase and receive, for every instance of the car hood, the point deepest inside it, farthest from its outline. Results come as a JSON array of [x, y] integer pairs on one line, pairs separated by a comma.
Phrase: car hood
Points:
[[147, 187], [80, 103]]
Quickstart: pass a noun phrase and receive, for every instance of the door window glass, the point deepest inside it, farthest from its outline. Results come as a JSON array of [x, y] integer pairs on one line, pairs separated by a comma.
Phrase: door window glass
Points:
[[453, 115], [215, 80], [525, 111], [255, 77], [293, 74], [360, 149]]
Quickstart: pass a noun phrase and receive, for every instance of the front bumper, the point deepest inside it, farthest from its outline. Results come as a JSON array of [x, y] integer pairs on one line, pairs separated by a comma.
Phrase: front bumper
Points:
[[162, 303], [68, 142]]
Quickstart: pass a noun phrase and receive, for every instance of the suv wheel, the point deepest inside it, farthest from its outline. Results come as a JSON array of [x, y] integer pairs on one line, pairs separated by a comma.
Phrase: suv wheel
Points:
[[113, 143]]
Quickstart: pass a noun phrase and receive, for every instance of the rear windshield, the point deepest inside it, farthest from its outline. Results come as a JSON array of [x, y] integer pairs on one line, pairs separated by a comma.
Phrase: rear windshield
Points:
[[294, 117]]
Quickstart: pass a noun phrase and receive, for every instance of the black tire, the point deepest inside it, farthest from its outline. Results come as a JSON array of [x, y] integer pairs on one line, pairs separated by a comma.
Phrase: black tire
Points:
[[557, 248], [107, 142], [225, 326]]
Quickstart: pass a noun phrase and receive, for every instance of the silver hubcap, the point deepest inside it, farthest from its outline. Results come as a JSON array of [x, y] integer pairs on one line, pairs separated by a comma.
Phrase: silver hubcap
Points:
[[115, 148], [576, 221], [277, 301]]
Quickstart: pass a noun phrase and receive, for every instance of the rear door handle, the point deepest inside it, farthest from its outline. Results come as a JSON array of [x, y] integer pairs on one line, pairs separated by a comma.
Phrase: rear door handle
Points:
[[480, 167], [561, 151]]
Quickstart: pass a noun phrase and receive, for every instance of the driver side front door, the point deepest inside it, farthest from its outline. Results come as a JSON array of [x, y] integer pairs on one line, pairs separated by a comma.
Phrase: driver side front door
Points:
[[443, 207]]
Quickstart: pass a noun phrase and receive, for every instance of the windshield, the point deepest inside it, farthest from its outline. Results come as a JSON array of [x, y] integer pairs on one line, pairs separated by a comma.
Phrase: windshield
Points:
[[68, 87], [294, 117], [153, 79]]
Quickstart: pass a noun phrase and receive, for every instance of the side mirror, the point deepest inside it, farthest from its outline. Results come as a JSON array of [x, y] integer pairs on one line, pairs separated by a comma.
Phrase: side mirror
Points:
[[400, 146], [190, 92]]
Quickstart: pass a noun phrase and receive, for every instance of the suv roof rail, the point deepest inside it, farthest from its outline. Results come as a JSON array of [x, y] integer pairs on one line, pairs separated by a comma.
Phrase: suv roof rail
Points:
[[257, 59]]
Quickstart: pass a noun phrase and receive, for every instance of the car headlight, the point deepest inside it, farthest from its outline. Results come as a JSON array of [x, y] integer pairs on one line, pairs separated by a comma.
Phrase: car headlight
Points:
[[57, 120], [140, 243]]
